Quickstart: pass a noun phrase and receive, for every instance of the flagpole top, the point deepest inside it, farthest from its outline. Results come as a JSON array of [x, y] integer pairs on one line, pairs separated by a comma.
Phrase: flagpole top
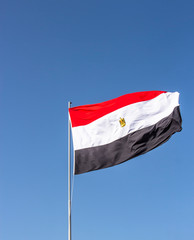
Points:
[[69, 104]]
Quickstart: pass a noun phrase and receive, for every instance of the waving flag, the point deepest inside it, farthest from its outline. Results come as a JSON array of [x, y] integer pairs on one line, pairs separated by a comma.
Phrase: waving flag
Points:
[[112, 132]]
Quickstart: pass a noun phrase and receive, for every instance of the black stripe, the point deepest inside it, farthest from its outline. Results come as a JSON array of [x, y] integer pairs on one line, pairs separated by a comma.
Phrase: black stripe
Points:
[[128, 147]]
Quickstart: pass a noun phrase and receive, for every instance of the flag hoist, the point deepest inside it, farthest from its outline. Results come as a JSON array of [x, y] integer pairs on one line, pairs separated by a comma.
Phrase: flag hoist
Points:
[[69, 175]]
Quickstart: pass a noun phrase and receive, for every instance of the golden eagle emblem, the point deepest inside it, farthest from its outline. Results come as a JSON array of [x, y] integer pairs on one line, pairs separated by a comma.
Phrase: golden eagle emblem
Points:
[[122, 122]]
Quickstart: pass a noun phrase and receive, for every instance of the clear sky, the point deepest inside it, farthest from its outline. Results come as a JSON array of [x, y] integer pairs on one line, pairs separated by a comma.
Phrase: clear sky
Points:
[[55, 51]]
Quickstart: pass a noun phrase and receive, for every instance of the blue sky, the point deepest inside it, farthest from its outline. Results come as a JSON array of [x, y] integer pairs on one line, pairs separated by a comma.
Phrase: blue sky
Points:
[[86, 52]]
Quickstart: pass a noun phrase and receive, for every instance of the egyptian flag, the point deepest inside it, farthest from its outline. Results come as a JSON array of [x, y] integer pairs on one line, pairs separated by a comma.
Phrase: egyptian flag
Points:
[[112, 132]]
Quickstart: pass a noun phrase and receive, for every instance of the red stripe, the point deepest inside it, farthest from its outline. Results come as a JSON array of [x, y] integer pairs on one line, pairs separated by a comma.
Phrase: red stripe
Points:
[[86, 114]]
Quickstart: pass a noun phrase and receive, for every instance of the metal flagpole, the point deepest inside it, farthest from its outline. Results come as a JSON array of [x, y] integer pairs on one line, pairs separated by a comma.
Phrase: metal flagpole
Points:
[[69, 175]]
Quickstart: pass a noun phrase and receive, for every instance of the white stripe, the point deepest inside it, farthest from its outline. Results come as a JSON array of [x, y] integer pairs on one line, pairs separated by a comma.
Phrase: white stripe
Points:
[[137, 116]]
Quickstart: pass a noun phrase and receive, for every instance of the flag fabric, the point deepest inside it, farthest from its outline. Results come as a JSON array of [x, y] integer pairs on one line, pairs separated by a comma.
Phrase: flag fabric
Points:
[[112, 132]]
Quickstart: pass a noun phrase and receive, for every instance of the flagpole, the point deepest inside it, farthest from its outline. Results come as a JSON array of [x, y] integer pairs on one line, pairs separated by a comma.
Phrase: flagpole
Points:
[[69, 174]]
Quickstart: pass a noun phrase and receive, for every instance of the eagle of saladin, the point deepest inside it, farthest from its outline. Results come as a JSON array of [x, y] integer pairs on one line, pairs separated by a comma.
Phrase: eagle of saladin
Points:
[[122, 122]]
